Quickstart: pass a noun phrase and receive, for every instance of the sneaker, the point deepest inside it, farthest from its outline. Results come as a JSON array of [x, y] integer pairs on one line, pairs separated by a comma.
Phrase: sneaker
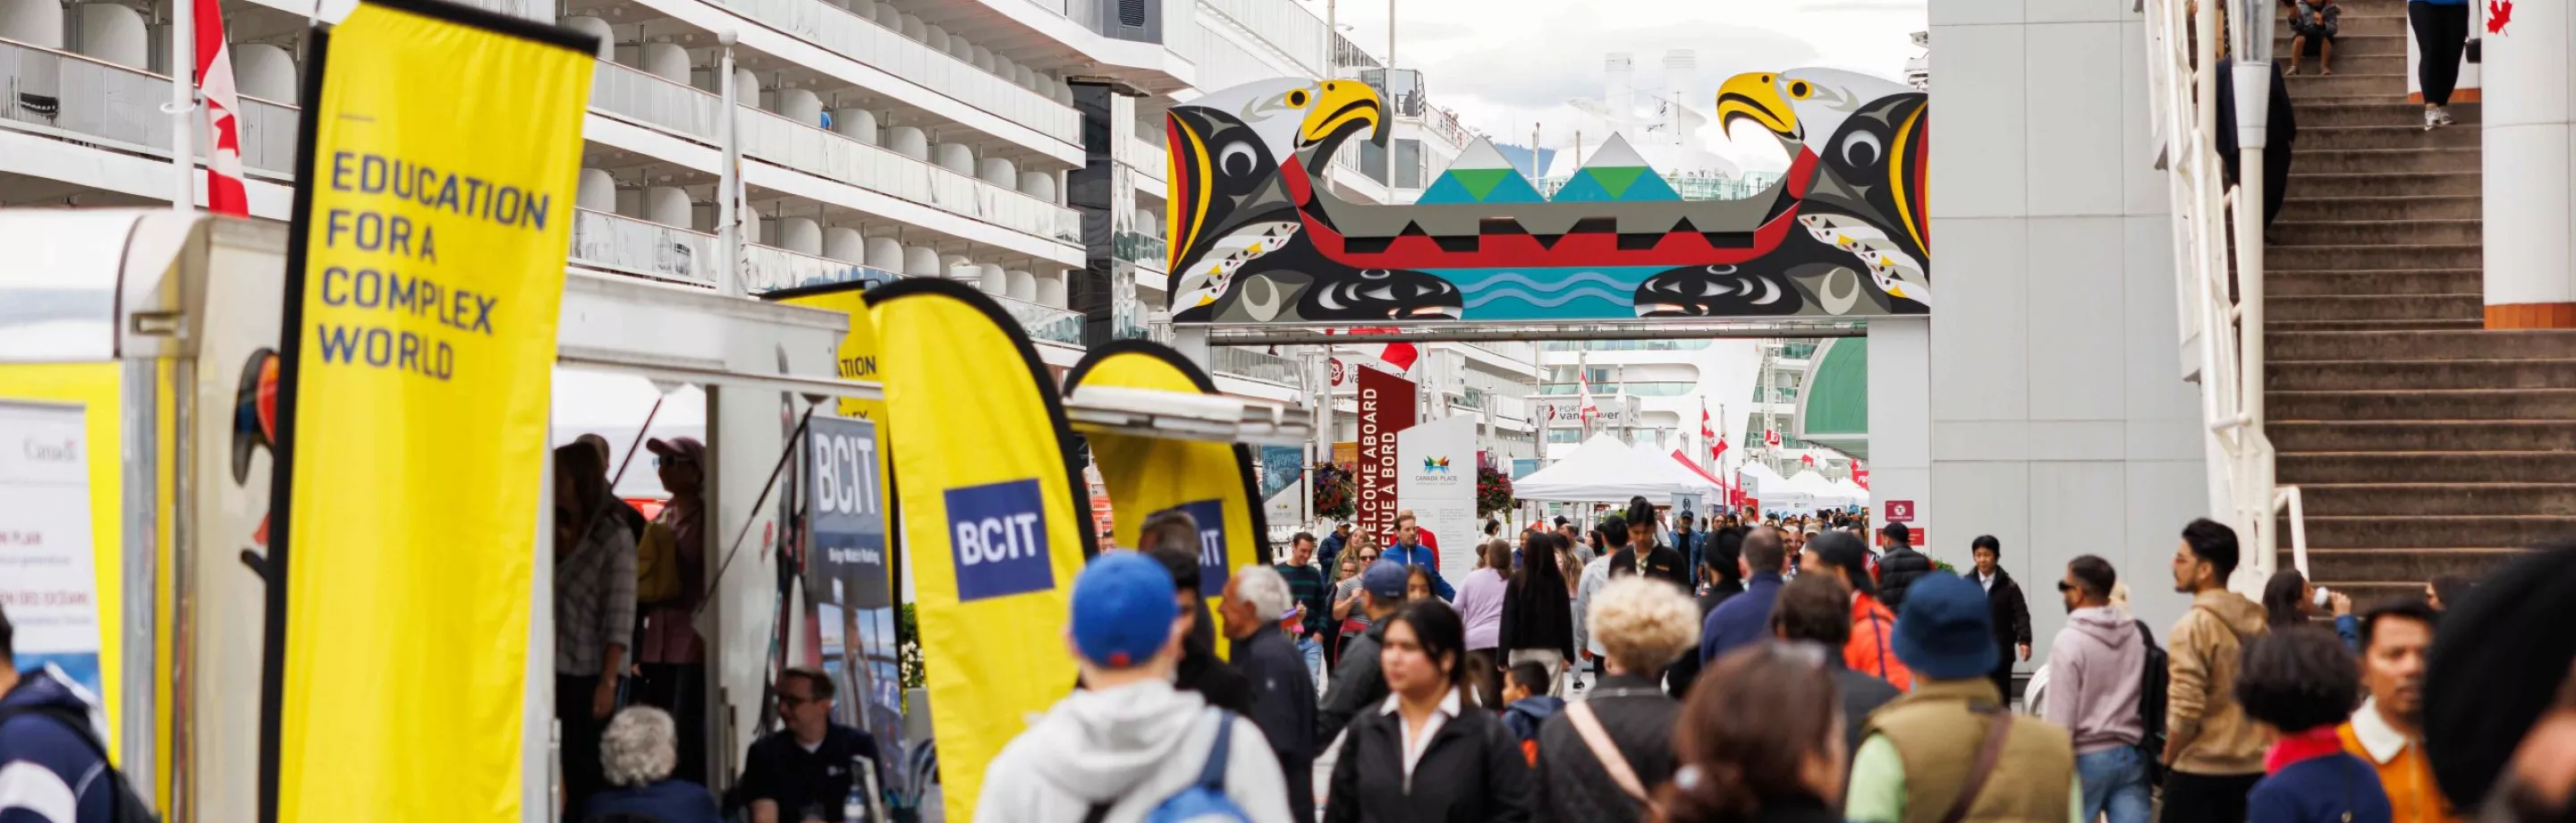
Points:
[[2432, 118], [2446, 115]]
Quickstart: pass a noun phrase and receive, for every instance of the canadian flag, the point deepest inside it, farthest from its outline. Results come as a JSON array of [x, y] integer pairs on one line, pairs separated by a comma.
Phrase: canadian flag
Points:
[[1770, 438], [1860, 475], [1718, 451], [1808, 459], [1705, 431], [1399, 355], [225, 193], [1583, 395]]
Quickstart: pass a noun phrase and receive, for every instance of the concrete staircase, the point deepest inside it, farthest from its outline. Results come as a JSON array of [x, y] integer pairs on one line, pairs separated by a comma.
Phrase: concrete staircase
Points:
[[2423, 444]]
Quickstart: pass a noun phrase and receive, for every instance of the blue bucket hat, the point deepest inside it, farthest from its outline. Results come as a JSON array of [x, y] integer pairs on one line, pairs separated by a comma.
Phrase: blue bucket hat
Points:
[[1945, 631], [1123, 610]]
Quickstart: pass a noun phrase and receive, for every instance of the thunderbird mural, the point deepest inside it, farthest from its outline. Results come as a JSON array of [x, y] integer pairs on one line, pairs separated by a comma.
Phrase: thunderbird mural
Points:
[[1256, 237]]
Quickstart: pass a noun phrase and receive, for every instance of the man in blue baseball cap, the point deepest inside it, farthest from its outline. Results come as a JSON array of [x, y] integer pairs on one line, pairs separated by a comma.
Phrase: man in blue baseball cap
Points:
[[1357, 681], [1950, 749], [1128, 741]]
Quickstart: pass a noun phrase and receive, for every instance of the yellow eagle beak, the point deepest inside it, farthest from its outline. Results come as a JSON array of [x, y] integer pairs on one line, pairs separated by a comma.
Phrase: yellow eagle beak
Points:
[[1754, 96], [1339, 104]]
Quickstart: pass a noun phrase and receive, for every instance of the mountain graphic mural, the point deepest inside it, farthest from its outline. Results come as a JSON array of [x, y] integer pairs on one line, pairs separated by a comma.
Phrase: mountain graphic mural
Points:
[[1480, 175], [1616, 174]]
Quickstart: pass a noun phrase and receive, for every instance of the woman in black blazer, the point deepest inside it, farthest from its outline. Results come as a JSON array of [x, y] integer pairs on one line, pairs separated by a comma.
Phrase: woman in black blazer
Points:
[[1468, 769]]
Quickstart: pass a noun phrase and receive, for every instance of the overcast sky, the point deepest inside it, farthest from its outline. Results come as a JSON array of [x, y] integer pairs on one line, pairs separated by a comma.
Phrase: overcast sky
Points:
[[1502, 64]]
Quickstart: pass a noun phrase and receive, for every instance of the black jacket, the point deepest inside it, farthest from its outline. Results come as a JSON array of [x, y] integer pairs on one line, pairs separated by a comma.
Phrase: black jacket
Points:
[[1472, 771], [1357, 685], [1861, 695], [1897, 570], [1283, 705], [1573, 785], [1679, 677], [1663, 563], [2011, 611], [1539, 615]]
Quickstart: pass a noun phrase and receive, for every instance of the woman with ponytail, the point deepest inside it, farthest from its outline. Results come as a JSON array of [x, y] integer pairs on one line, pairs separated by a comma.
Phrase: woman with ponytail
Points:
[[1760, 741]]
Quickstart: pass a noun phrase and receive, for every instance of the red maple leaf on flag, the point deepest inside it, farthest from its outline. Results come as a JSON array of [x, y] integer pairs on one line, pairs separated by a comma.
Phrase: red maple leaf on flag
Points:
[[2499, 15]]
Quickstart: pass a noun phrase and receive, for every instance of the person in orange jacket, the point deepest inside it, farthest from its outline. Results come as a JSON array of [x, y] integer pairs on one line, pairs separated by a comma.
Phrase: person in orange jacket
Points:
[[1869, 651]]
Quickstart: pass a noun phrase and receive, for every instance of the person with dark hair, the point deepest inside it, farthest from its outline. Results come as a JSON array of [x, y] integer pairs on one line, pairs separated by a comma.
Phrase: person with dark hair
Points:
[[1692, 543], [1122, 748], [1899, 566], [1871, 650], [1357, 682], [1330, 550], [1596, 574], [1720, 567], [1648, 557], [594, 613], [673, 656], [2012, 610], [2289, 600], [802, 771], [2499, 701], [1424, 754], [1949, 743], [2214, 752], [1745, 619], [1760, 741], [1601, 758], [2094, 686], [1816, 610], [1200, 669], [1527, 704], [2447, 590], [1480, 604], [1307, 587], [2388, 729], [1411, 550], [53, 755], [2298, 685], [1538, 615]]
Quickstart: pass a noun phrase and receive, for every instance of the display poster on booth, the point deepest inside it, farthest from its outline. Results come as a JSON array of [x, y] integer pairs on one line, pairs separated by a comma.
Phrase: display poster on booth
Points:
[[47, 581], [847, 580], [1435, 465]]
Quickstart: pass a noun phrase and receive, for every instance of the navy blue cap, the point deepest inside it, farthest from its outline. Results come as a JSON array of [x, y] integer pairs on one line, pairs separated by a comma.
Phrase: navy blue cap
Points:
[[1123, 609], [1946, 630], [1385, 579]]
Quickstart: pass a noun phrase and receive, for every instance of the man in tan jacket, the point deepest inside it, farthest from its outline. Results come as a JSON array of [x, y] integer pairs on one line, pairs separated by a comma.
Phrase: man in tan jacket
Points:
[[2214, 751]]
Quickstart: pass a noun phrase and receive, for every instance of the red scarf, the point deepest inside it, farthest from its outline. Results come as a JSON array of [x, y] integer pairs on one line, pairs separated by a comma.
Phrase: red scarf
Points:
[[2308, 745]]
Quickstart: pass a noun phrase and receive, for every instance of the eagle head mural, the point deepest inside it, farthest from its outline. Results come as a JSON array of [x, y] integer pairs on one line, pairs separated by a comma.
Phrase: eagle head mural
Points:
[[1257, 236]]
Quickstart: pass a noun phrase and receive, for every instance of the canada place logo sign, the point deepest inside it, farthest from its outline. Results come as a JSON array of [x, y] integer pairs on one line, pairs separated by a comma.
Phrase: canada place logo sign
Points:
[[1435, 465]]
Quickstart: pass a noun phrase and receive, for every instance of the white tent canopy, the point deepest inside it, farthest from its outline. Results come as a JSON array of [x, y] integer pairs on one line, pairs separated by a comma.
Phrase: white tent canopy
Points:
[[1859, 496], [1605, 470], [1824, 492]]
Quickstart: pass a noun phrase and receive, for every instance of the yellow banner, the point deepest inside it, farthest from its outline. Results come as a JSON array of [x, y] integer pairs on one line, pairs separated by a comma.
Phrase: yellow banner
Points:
[[1212, 482], [987, 509], [855, 359], [440, 156]]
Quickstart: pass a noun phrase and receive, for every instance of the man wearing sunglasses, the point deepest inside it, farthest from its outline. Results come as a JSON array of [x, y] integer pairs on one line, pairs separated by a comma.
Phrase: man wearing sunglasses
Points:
[[2094, 681]]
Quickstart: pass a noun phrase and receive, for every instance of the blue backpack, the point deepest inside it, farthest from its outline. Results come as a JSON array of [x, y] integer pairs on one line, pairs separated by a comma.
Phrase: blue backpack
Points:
[[1205, 799]]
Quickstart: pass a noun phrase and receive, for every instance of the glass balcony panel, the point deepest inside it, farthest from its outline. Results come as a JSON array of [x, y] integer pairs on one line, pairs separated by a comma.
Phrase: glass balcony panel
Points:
[[631, 246]]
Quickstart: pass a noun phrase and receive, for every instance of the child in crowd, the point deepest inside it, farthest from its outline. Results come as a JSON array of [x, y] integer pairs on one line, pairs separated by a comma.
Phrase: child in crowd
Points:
[[1529, 707]]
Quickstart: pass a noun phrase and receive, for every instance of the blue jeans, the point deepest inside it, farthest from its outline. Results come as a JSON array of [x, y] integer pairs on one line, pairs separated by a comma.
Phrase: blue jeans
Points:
[[1314, 652], [2115, 781]]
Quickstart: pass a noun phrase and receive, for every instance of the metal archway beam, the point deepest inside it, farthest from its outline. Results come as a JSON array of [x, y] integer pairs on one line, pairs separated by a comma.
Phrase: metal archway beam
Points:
[[1453, 332]]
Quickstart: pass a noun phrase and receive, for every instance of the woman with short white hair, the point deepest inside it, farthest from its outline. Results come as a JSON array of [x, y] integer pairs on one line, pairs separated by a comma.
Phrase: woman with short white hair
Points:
[[636, 754], [1600, 759]]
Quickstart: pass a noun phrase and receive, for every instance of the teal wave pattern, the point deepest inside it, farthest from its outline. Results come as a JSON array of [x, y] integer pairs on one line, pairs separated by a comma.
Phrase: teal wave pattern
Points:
[[1548, 293]]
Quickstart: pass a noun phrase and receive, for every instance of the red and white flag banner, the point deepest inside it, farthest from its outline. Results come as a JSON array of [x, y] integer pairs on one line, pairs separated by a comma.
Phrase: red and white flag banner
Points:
[[225, 192]]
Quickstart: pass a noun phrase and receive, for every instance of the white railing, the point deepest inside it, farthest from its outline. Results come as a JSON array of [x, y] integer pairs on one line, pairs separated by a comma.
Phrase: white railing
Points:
[[2216, 325], [861, 39], [769, 268], [691, 112], [101, 103], [1044, 323], [1253, 365], [631, 246]]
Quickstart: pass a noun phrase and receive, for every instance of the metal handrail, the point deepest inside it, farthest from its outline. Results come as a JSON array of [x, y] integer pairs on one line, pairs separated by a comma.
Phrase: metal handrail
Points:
[[2183, 91]]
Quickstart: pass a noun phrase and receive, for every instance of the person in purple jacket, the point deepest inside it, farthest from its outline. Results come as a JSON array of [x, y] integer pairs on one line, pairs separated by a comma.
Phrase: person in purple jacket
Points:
[[2094, 673]]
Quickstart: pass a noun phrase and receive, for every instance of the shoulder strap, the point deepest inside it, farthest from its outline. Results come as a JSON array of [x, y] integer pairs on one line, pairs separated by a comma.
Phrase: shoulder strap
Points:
[[1998, 727], [1099, 812], [1598, 740], [1212, 776]]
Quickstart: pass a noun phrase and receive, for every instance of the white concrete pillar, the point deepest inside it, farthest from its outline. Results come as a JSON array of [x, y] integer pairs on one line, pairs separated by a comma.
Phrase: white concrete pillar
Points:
[[664, 60], [955, 157], [885, 253], [1019, 284], [856, 124], [845, 244], [582, 23], [801, 235], [669, 206], [801, 105], [909, 142], [2530, 237], [1051, 290], [1900, 419], [597, 192], [38, 22], [993, 280], [115, 34], [264, 71], [921, 261], [1000, 171], [1038, 184]]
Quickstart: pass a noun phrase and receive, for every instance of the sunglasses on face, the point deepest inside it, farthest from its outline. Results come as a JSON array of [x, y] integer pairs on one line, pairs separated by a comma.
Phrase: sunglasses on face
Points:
[[2063, 587], [662, 461], [1368, 558]]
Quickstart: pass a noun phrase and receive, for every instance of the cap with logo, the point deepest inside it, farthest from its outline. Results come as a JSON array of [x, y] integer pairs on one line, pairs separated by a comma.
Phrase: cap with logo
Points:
[[1123, 609]]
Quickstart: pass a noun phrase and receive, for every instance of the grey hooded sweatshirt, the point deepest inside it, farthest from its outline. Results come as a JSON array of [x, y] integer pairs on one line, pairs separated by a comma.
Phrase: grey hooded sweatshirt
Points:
[[1132, 747], [2093, 679]]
